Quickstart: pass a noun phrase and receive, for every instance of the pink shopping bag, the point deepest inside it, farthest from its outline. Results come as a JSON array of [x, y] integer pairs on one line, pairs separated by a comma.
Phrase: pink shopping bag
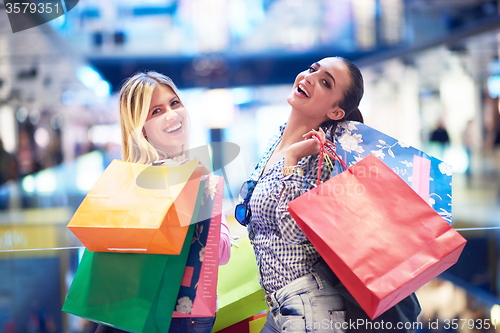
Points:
[[197, 297]]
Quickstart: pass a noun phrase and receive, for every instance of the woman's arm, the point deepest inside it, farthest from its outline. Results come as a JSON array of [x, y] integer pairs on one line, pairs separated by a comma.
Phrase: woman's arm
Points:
[[291, 189], [292, 183]]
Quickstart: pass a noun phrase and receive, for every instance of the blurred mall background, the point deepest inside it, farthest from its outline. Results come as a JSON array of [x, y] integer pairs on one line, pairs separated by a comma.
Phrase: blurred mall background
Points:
[[427, 64]]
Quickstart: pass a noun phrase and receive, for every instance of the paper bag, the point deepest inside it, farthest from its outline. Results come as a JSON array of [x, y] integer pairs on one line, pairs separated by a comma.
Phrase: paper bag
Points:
[[197, 295], [376, 233], [138, 208], [129, 291], [240, 294]]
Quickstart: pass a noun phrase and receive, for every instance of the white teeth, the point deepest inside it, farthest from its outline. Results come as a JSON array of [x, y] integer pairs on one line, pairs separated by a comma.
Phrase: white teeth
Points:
[[173, 128], [301, 88]]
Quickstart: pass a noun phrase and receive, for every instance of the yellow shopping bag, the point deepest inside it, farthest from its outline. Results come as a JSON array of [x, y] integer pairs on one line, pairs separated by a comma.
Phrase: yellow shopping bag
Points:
[[240, 294], [138, 208]]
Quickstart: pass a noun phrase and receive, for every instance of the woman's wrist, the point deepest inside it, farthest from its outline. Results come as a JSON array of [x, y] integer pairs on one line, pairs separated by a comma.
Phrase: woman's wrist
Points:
[[292, 170], [290, 165]]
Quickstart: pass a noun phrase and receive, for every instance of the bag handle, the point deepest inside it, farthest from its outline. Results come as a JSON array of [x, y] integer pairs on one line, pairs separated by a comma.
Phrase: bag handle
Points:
[[327, 148]]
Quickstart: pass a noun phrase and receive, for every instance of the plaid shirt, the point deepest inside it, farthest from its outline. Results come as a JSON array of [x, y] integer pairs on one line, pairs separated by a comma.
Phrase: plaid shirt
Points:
[[282, 250]]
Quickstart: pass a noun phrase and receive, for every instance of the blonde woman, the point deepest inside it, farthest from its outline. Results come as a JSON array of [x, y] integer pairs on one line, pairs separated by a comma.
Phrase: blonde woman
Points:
[[154, 125]]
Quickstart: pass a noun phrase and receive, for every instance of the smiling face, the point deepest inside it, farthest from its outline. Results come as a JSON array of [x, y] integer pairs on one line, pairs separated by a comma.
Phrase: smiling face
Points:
[[166, 124], [318, 90]]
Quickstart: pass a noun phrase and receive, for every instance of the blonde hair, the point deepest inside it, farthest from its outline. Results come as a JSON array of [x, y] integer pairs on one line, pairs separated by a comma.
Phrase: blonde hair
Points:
[[135, 97]]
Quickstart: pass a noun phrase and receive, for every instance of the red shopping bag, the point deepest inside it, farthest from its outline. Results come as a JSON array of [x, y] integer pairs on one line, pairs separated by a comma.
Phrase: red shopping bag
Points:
[[197, 297], [380, 238]]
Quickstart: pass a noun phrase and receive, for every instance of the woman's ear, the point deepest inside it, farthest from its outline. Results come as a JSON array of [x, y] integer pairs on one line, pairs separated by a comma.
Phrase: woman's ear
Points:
[[336, 113]]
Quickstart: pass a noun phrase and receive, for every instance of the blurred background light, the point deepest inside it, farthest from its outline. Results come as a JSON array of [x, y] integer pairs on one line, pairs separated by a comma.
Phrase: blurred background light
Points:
[[219, 108], [493, 84], [68, 97], [365, 18], [42, 137], [495, 314], [57, 121], [242, 95], [22, 114], [46, 181], [28, 184], [103, 134], [34, 116], [88, 76], [8, 128], [102, 88], [88, 169]]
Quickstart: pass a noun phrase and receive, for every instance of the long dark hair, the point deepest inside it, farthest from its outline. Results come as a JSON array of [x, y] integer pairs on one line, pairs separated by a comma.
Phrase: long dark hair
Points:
[[352, 97]]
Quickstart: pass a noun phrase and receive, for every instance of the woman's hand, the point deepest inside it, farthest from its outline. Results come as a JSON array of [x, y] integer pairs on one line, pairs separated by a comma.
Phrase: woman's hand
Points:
[[307, 147]]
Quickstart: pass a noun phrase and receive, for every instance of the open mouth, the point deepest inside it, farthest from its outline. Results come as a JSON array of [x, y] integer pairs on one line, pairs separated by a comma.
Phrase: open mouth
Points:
[[174, 128], [302, 90]]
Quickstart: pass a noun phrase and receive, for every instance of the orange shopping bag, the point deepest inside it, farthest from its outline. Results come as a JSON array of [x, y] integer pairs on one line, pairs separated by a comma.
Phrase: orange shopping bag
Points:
[[379, 237], [139, 208]]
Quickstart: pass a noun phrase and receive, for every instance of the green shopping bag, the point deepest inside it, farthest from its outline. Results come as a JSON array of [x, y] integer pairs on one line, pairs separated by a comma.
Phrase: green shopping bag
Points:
[[129, 291], [239, 293], [134, 292]]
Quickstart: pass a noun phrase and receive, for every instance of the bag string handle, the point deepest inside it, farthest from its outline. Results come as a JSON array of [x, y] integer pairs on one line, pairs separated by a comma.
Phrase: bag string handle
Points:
[[327, 148], [332, 152], [321, 157]]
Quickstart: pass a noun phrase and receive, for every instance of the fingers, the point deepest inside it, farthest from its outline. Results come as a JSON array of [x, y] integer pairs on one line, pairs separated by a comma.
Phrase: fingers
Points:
[[320, 134]]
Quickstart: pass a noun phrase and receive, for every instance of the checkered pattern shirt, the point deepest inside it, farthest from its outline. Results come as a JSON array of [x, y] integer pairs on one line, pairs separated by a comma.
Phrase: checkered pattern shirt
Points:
[[282, 250]]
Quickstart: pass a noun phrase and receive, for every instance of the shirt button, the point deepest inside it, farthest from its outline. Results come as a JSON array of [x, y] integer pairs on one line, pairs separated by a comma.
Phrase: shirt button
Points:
[[268, 298], [271, 304]]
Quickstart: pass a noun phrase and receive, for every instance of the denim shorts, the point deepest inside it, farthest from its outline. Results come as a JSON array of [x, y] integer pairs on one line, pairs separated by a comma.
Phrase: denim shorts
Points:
[[307, 304]]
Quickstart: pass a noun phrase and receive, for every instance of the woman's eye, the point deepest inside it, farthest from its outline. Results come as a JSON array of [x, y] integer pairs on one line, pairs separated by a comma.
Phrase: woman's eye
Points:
[[327, 84], [312, 69], [156, 111], [174, 103]]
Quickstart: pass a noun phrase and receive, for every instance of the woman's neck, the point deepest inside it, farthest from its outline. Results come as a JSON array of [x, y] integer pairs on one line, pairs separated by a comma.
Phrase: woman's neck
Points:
[[177, 152], [295, 128]]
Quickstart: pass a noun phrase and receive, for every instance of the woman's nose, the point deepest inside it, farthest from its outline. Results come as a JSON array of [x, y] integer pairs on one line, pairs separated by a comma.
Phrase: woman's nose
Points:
[[170, 115], [309, 78]]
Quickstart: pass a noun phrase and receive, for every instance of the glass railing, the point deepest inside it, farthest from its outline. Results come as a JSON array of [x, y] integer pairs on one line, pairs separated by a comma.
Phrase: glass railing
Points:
[[36, 209], [38, 253]]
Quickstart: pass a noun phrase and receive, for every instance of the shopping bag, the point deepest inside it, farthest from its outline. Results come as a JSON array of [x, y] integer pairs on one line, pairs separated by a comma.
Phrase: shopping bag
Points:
[[197, 295], [138, 208], [239, 292], [257, 323], [376, 233], [430, 177], [129, 291]]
